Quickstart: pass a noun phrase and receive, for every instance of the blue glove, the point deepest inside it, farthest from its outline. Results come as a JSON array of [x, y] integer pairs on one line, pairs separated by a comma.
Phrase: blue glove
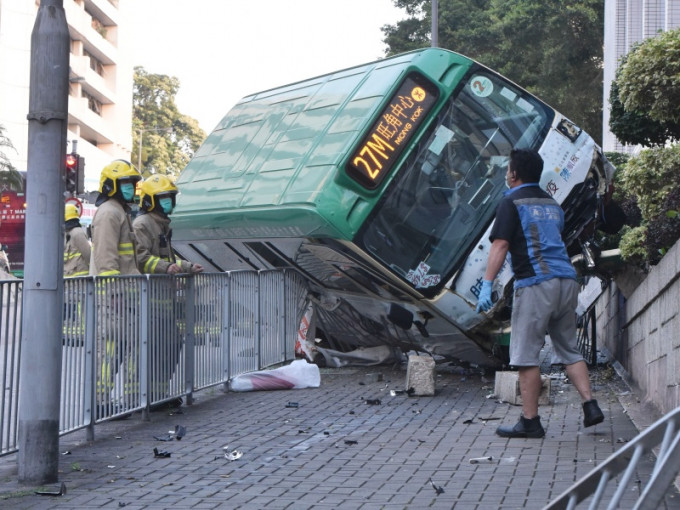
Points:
[[484, 303]]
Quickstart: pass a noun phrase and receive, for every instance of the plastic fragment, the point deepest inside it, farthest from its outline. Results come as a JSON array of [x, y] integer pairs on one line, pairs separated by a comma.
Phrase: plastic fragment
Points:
[[293, 405], [480, 460], [60, 492], [234, 455], [166, 437], [351, 442], [439, 490], [160, 454], [373, 401], [180, 432]]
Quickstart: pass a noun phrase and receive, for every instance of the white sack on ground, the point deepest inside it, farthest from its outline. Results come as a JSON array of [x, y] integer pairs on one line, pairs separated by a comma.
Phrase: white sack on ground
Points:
[[299, 374]]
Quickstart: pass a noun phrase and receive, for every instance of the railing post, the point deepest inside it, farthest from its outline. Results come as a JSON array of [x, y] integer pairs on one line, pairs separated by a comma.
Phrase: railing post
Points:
[[190, 338], [281, 307], [90, 392], [144, 350], [225, 332], [258, 320]]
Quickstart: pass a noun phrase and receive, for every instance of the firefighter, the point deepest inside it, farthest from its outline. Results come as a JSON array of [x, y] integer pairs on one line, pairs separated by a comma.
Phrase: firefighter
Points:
[[76, 244], [113, 249], [76, 263], [156, 256], [112, 234], [152, 229]]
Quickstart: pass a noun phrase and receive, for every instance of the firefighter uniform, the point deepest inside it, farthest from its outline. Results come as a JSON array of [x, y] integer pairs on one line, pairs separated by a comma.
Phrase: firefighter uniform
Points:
[[76, 263], [113, 254], [76, 244], [155, 256]]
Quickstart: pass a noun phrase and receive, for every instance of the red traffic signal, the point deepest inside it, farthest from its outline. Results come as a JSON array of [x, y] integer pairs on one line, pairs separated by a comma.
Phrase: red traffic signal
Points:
[[75, 173], [71, 161]]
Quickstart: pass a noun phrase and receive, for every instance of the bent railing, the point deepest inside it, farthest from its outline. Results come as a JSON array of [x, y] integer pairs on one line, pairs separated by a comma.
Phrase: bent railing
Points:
[[132, 342], [665, 434]]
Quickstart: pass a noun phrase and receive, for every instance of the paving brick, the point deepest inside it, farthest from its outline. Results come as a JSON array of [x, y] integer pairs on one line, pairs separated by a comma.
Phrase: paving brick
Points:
[[298, 458]]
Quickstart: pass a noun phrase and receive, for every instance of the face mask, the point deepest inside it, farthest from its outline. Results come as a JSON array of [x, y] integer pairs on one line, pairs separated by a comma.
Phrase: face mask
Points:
[[166, 205], [128, 191]]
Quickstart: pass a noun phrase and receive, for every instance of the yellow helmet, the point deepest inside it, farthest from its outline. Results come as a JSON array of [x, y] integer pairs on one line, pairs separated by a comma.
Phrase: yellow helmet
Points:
[[71, 212], [113, 173], [155, 187]]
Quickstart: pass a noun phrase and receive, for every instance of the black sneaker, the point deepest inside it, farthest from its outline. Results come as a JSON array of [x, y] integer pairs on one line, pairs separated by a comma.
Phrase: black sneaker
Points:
[[592, 414], [531, 428]]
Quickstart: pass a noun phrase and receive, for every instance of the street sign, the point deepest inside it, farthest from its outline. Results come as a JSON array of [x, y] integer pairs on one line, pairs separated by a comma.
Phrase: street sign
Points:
[[76, 201]]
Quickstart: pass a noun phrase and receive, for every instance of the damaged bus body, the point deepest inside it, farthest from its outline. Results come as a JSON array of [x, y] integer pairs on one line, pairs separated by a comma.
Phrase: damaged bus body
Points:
[[379, 184]]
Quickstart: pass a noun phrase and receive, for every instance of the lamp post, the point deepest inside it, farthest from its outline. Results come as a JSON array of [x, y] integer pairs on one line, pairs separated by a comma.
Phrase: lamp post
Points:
[[435, 23], [141, 137]]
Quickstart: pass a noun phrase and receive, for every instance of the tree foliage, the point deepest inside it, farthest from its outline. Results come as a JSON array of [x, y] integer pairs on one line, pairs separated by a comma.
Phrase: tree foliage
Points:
[[635, 127], [169, 138], [651, 175], [649, 81], [553, 49], [645, 110], [9, 176]]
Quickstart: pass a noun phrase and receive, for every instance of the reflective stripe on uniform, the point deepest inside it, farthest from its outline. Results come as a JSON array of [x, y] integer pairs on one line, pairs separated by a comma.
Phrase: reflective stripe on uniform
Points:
[[126, 249], [150, 265]]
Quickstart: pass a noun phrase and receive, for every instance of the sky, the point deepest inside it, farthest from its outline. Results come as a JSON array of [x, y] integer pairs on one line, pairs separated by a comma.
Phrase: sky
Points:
[[223, 50]]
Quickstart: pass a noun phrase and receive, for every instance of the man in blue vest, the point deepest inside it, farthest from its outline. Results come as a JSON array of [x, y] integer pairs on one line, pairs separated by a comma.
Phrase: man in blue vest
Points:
[[529, 225]]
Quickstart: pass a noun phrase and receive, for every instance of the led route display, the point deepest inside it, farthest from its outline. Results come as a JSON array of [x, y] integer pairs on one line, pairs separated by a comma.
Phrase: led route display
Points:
[[399, 120]]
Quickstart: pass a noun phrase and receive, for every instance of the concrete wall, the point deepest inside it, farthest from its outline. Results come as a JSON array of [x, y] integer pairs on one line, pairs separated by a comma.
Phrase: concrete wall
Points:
[[642, 333]]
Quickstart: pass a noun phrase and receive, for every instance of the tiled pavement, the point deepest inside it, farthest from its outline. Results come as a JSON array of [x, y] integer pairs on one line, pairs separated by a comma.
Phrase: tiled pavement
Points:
[[336, 451]]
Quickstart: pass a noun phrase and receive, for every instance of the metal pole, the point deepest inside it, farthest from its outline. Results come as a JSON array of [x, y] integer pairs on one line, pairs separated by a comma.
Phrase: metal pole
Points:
[[435, 23], [40, 383]]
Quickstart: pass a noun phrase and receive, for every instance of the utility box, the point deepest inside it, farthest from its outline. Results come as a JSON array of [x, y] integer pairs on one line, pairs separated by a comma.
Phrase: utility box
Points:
[[507, 388], [420, 375]]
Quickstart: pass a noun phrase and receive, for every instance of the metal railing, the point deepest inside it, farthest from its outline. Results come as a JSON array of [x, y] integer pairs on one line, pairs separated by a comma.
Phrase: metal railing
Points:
[[665, 434], [131, 342]]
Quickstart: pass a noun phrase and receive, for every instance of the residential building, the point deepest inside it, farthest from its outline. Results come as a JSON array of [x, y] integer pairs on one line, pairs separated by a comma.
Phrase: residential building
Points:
[[100, 80]]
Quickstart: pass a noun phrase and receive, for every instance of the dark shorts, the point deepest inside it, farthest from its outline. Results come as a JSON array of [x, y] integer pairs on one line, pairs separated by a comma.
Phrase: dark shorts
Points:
[[548, 307]]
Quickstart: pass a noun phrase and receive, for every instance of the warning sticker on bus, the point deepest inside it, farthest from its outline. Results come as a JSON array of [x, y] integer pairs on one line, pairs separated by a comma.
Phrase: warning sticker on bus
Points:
[[390, 134]]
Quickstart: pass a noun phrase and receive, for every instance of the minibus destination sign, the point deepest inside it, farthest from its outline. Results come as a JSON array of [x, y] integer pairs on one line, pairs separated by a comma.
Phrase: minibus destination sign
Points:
[[399, 120]]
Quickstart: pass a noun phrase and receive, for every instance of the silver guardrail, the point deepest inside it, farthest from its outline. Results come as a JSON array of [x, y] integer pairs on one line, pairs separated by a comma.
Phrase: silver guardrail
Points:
[[11, 293], [132, 342], [664, 434]]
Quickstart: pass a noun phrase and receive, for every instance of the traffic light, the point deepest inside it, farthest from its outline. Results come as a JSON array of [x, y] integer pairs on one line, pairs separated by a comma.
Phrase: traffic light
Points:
[[75, 173]]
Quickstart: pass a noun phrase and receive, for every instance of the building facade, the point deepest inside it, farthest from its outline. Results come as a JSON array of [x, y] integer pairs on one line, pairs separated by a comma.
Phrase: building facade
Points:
[[100, 81], [626, 23]]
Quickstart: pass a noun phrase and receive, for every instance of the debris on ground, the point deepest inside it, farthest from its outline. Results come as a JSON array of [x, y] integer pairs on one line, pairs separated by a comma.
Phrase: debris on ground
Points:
[[439, 490], [180, 432], [233, 455], [160, 454], [60, 492], [481, 460]]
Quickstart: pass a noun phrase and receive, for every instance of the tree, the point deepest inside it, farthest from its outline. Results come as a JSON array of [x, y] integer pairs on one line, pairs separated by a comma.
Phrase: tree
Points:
[[9, 176], [645, 110], [553, 49], [635, 127], [649, 81], [169, 139]]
